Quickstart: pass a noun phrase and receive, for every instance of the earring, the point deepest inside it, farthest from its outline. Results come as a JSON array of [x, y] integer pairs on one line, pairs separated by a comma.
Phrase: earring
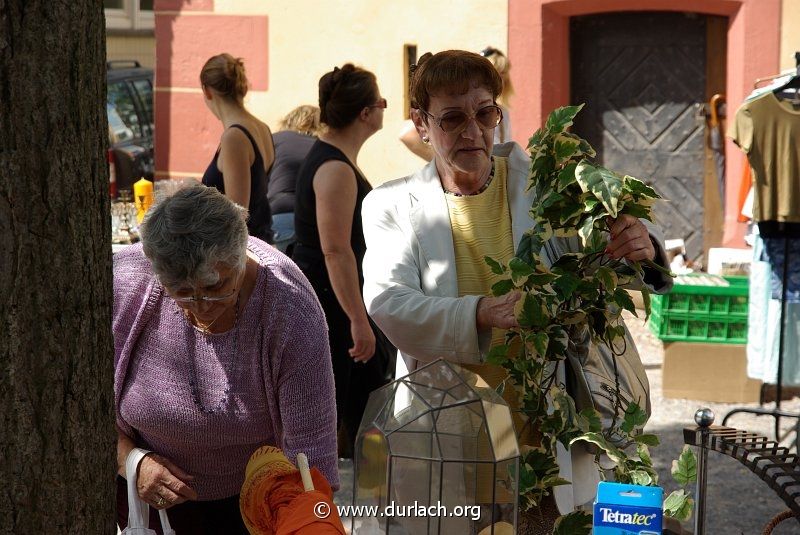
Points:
[[425, 139]]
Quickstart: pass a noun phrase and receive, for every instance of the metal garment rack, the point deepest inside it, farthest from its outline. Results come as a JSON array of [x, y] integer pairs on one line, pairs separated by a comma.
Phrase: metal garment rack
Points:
[[787, 231], [776, 412]]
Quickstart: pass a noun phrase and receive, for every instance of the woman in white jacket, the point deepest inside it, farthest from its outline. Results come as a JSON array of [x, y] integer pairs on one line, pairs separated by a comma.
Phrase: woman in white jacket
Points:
[[426, 284]]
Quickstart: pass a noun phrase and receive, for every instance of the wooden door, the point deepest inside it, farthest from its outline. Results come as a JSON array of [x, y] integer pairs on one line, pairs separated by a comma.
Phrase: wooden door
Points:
[[642, 76]]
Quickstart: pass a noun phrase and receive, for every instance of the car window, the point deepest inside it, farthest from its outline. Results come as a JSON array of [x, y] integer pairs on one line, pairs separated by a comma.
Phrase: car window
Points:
[[122, 100], [145, 90], [117, 131]]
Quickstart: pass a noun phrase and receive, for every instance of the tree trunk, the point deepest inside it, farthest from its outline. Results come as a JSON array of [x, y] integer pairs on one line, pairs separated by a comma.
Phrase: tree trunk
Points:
[[56, 357]]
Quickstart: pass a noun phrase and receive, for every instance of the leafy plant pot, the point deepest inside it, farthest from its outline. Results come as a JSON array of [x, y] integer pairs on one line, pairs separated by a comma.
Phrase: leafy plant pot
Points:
[[539, 520]]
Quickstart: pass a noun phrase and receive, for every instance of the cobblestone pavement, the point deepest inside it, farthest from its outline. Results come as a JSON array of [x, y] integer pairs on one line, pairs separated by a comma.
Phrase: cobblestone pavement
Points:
[[737, 501]]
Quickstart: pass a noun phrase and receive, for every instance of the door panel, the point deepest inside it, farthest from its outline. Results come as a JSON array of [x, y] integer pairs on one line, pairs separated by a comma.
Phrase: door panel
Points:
[[641, 75]]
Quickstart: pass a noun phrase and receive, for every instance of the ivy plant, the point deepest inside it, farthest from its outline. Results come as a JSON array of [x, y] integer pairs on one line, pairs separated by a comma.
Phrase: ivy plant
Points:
[[575, 198]]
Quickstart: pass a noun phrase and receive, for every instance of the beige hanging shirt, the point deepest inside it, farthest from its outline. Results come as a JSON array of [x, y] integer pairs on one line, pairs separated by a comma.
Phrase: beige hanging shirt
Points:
[[768, 131]]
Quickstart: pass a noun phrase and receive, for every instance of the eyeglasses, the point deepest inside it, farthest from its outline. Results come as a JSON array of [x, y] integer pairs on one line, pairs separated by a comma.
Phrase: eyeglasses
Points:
[[380, 104], [204, 298], [455, 122], [178, 298]]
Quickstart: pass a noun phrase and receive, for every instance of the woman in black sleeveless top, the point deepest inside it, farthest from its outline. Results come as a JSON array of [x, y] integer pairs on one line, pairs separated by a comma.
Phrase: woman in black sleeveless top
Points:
[[246, 152], [330, 242]]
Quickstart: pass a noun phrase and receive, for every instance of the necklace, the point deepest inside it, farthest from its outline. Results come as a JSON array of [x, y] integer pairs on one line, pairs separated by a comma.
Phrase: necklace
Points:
[[480, 190], [193, 371]]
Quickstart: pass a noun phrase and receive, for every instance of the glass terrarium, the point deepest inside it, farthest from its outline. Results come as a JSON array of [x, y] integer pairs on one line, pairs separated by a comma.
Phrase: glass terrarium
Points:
[[436, 453]]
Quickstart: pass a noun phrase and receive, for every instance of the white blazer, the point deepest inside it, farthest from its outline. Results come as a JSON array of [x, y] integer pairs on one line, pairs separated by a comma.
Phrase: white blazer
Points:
[[411, 285]]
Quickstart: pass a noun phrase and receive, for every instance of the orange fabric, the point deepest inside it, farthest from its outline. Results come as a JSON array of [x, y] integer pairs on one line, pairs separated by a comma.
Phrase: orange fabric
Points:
[[273, 501], [744, 190]]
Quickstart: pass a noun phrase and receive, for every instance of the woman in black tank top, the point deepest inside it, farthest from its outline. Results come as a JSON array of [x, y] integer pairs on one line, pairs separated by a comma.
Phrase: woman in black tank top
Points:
[[330, 242], [239, 168]]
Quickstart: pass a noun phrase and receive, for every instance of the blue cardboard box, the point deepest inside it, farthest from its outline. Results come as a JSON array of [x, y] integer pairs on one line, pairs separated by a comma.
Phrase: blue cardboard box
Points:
[[621, 509]]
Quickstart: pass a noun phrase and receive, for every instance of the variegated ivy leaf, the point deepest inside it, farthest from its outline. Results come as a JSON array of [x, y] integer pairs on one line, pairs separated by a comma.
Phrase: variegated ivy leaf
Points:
[[531, 312], [502, 287], [647, 439], [679, 505], [589, 421], [647, 303], [623, 299], [644, 453], [605, 185], [587, 230], [564, 148], [638, 188], [569, 214], [520, 271], [640, 477], [614, 453], [684, 469], [497, 354], [561, 118]]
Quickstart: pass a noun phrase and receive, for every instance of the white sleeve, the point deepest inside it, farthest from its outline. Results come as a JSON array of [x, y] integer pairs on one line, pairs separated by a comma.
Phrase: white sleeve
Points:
[[422, 326]]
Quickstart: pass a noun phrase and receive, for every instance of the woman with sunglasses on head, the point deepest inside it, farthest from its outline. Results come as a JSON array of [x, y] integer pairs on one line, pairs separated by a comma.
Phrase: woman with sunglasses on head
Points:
[[220, 348], [330, 241], [426, 282]]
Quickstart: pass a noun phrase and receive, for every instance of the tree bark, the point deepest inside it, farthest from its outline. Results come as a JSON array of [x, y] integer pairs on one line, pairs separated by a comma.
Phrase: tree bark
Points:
[[57, 432]]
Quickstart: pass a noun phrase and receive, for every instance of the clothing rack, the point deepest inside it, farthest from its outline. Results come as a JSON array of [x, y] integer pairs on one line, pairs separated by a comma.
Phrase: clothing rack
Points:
[[787, 231]]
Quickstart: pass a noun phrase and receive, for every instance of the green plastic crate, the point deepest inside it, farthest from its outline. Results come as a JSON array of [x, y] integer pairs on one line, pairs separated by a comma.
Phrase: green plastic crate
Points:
[[702, 308]]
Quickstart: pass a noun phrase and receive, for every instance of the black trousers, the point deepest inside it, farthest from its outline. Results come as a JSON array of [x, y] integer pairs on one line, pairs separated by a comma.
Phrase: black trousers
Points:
[[216, 517]]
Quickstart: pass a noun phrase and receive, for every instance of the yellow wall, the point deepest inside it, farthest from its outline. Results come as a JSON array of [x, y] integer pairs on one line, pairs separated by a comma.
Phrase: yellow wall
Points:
[[308, 38], [140, 48], [790, 33]]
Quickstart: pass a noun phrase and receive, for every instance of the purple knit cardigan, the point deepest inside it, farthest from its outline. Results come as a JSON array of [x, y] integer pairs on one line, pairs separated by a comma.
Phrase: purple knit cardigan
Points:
[[292, 358]]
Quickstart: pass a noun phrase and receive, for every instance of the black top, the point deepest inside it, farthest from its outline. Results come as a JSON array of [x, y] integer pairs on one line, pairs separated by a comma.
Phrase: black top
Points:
[[291, 149], [308, 251], [259, 222]]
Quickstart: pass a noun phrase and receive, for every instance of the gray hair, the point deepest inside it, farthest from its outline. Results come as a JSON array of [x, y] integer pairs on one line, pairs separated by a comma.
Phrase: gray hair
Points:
[[186, 236]]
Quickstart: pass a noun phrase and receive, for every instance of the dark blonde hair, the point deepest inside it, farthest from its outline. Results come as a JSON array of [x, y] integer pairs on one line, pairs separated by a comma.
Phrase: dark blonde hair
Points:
[[451, 71], [503, 66], [225, 75], [344, 92], [304, 119]]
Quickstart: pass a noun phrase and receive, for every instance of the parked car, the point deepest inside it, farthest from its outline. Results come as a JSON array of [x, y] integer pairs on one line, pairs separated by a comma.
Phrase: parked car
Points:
[[130, 124]]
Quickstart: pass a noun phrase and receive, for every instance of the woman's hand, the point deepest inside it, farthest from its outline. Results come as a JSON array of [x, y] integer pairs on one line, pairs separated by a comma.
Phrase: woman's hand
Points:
[[162, 484], [363, 340], [497, 312], [630, 239]]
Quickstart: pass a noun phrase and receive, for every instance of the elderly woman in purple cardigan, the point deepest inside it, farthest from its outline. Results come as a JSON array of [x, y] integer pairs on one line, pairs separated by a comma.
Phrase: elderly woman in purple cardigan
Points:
[[220, 347]]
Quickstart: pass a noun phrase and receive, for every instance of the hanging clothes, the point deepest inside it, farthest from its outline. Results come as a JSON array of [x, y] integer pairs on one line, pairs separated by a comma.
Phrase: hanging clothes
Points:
[[767, 129]]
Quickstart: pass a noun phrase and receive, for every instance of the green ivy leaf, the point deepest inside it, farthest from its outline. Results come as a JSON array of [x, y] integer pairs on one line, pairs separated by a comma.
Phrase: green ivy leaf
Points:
[[497, 355], [575, 523], [494, 265], [647, 439], [635, 417], [566, 284], [502, 287], [561, 118], [607, 277], [684, 468], [605, 185], [566, 177], [647, 302], [591, 418], [679, 505], [520, 271]]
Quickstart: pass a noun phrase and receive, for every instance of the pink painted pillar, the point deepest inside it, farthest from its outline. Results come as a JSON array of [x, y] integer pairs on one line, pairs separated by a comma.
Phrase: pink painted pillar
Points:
[[187, 133]]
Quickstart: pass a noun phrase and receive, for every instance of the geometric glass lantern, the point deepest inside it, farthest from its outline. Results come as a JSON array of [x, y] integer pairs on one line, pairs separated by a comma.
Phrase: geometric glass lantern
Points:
[[436, 453]]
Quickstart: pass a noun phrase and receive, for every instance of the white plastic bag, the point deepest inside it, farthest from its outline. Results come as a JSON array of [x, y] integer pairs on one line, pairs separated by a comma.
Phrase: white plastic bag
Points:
[[138, 510]]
